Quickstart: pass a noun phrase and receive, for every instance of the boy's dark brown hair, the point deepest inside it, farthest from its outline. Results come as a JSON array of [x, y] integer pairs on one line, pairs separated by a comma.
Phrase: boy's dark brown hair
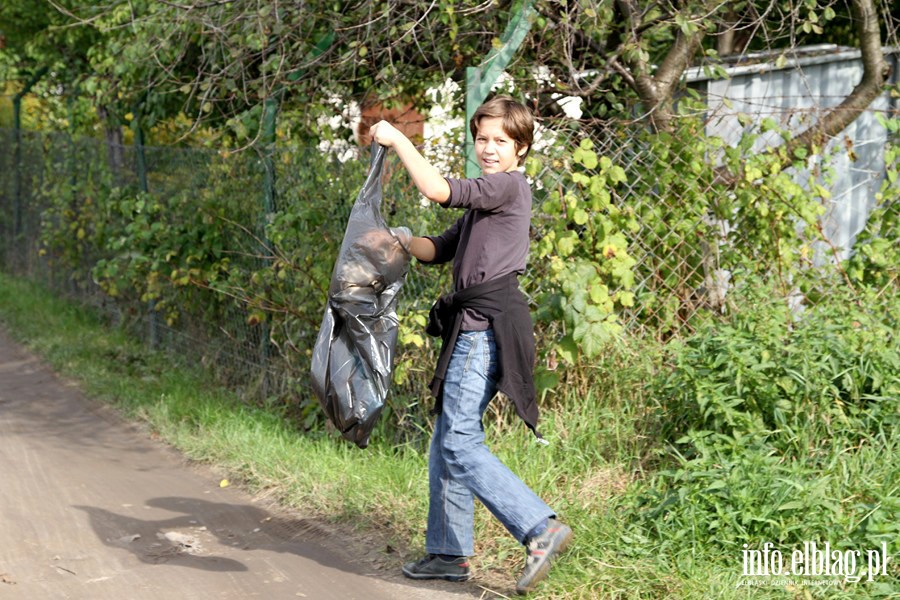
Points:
[[518, 122]]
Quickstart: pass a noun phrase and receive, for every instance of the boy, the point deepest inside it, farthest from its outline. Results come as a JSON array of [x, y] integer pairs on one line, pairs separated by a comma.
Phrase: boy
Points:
[[488, 346]]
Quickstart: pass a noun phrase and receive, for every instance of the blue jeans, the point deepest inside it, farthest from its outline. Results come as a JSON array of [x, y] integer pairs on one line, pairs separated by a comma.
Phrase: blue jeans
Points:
[[461, 467]]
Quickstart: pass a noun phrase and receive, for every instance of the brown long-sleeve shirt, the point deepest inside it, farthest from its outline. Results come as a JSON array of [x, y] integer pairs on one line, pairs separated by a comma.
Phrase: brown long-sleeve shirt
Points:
[[491, 239]]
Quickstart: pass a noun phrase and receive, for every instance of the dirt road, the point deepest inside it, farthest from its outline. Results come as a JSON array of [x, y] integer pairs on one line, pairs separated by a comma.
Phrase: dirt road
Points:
[[92, 508]]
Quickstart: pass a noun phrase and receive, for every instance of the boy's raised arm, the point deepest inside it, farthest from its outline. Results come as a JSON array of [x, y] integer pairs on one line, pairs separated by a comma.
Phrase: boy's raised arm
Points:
[[426, 177]]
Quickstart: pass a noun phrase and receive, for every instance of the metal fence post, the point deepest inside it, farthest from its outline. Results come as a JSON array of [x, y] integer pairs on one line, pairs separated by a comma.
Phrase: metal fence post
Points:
[[17, 153], [268, 125], [270, 110], [480, 79], [75, 288], [140, 164]]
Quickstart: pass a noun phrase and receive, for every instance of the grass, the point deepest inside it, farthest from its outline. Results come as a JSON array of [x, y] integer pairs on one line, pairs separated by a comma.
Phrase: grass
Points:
[[593, 471]]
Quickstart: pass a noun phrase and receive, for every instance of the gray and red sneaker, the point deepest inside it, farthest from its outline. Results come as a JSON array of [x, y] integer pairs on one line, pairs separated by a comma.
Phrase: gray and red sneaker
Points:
[[433, 566], [541, 550]]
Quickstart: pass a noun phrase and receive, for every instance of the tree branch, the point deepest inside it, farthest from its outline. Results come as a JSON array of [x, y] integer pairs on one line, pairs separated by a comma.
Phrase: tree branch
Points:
[[641, 80], [876, 71], [677, 61]]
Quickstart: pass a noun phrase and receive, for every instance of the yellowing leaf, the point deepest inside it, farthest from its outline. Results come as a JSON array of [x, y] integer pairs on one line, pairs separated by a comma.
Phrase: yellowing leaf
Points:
[[413, 338], [580, 217], [599, 293], [625, 298], [566, 246]]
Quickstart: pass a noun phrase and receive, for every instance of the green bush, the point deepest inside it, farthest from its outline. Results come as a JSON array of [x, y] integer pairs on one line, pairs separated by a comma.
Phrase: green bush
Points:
[[876, 254], [779, 426]]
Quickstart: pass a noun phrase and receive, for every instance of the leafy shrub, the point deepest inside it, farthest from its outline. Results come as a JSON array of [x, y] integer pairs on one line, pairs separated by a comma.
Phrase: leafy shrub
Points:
[[876, 254], [655, 237], [765, 416]]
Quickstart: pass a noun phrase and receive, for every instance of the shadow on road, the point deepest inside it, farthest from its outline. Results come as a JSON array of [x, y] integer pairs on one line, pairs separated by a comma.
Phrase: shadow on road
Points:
[[209, 535]]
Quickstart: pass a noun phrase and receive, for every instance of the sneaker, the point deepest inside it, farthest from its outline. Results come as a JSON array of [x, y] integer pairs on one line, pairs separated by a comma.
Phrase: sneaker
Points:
[[433, 566], [541, 550]]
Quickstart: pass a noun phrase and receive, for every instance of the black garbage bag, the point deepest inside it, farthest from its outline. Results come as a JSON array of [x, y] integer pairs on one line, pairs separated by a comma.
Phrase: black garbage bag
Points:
[[353, 357]]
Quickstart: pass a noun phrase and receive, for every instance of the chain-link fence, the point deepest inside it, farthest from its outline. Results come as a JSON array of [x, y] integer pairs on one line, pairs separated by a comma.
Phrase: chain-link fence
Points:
[[190, 266], [630, 229]]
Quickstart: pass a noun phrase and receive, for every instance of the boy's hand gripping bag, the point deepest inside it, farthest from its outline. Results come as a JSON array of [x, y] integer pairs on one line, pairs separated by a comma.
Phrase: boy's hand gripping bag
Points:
[[353, 357]]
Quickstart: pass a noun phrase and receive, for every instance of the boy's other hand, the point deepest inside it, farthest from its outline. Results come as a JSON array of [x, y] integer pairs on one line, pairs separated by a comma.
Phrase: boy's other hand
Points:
[[385, 134]]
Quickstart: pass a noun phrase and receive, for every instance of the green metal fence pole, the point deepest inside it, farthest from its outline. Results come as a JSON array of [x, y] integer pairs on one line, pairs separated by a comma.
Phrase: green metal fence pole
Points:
[[17, 166], [140, 165], [268, 124], [17, 153], [270, 111], [73, 169], [480, 79]]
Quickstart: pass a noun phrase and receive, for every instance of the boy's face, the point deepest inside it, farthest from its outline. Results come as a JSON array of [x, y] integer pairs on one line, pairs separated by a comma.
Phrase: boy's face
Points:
[[495, 150]]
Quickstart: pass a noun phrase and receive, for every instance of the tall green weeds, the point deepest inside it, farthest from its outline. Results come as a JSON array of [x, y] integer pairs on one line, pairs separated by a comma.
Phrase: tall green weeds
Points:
[[780, 426]]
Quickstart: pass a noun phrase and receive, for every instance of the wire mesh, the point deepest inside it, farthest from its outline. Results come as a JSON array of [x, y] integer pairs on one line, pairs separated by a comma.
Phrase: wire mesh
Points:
[[241, 290]]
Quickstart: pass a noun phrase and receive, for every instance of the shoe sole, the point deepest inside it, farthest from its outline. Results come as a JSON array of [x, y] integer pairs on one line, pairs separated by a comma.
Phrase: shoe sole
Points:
[[448, 577], [544, 569]]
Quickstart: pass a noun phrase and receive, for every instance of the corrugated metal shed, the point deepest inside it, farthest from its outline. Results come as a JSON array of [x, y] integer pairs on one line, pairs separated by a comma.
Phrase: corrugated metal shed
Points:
[[795, 94]]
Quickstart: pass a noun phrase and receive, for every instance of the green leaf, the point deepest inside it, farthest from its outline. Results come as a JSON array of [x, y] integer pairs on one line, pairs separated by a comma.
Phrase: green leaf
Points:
[[566, 245], [581, 179], [580, 217], [617, 175], [568, 349], [625, 298], [599, 293], [588, 158], [545, 380]]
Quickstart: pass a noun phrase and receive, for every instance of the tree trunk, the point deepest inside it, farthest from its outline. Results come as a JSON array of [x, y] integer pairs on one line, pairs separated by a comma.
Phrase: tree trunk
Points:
[[115, 150], [726, 38], [657, 89]]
